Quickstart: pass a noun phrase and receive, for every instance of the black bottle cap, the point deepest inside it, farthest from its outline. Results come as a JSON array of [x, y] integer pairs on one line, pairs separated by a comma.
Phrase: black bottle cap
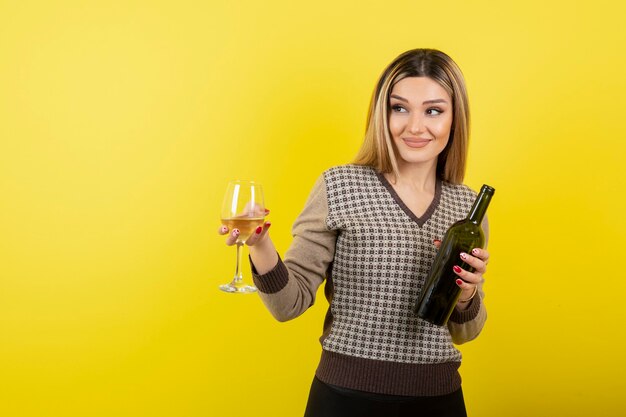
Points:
[[487, 189]]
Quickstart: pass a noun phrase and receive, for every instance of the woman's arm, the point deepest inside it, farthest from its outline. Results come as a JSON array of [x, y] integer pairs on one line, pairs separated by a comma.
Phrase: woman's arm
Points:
[[468, 318], [288, 287], [466, 325]]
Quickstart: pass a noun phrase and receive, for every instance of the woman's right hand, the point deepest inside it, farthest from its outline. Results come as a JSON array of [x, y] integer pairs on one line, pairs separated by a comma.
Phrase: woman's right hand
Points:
[[257, 236], [262, 251]]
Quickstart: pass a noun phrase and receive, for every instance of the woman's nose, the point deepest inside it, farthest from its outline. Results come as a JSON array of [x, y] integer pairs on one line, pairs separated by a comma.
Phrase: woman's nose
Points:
[[416, 124]]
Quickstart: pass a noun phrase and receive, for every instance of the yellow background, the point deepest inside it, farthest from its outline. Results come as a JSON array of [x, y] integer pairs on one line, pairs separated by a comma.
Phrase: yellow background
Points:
[[122, 121]]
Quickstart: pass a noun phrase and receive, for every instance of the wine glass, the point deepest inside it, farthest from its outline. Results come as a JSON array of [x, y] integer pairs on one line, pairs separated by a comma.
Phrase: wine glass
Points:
[[243, 208]]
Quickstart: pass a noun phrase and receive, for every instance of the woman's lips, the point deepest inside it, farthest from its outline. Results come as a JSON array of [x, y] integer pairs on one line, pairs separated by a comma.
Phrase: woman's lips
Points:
[[416, 143]]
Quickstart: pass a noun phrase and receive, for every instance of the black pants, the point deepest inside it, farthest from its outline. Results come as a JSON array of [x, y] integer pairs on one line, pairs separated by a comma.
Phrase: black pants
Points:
[[330, 401]]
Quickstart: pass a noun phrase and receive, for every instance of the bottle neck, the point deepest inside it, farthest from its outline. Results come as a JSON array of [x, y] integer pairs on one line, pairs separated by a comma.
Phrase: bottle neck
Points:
[[479, 208]]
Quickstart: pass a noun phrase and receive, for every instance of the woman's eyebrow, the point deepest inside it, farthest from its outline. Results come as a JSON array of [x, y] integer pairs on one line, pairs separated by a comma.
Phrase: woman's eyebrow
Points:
[[437, 100], [433, 101], [399, 98]]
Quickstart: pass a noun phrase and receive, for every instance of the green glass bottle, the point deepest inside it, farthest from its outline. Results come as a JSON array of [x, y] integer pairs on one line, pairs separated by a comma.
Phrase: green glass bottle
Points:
[[441, 293]]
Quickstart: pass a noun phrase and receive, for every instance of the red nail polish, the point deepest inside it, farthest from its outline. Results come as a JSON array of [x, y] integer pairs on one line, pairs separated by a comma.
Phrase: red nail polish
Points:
[[268, 224], [459, 282], [456, 269], [259, 230], [267, 211]]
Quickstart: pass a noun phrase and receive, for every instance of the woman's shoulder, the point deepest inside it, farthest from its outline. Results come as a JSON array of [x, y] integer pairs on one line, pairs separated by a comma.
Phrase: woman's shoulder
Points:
[[458, 187], [350, 178], [349, 170], [458, 191]]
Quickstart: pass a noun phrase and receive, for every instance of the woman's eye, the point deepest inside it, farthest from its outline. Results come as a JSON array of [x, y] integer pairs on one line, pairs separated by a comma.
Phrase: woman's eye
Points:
[[398, 108], [434, 111]]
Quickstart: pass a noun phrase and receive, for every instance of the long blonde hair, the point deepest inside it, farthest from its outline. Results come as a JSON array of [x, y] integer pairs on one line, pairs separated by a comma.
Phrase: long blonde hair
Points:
[[377, 149]]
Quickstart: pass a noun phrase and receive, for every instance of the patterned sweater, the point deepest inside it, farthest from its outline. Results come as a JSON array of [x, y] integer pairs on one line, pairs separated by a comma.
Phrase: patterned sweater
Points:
[[375, 255]]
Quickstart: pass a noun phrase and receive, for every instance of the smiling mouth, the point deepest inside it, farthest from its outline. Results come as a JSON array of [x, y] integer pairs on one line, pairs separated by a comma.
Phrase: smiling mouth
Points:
[[416, 143]]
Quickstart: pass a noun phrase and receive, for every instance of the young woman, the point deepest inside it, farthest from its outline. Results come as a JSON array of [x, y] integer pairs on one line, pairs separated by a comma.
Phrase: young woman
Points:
[[370, 229]]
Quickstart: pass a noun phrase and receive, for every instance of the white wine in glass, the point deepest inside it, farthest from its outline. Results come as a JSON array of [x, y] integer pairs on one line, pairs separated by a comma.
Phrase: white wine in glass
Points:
[[244, 209]]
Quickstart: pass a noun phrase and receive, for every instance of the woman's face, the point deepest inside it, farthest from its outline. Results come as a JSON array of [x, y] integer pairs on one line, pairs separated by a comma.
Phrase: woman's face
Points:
[[420, 119]]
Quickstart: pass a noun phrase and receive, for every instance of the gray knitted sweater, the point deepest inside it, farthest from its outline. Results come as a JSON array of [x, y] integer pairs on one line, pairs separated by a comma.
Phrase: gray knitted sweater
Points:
[[375, 255]]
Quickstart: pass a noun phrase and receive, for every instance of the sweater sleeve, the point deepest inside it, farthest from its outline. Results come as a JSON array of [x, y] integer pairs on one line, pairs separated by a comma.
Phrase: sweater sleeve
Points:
[[289, 289], [467, 324]]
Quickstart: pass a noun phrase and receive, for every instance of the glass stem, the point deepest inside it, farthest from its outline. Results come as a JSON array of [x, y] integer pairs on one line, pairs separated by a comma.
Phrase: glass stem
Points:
[[238, 274]]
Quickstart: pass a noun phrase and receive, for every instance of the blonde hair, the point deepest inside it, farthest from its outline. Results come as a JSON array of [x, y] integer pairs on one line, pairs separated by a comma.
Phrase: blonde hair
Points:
[[377, 150]]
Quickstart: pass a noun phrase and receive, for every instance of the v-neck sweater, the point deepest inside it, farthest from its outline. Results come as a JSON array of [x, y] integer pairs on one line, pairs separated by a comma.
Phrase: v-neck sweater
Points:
[[375, 254]]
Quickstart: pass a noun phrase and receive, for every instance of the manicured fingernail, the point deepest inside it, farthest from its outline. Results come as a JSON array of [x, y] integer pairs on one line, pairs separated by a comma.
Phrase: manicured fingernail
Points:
[[456, 269], [475, 251], [223, 229], [259, 230], [463, 255], [235, 232], [459, 282], [267, 211], [268, 224]]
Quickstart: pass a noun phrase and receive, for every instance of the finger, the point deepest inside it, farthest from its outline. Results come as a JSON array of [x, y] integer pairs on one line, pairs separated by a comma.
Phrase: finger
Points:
[[253, 210], [481, 253], [466, 276], [258, 234], [259, 211], [465, 286], [222, 230], [437, 243], [254, 237], [232, 237], [478, 264]]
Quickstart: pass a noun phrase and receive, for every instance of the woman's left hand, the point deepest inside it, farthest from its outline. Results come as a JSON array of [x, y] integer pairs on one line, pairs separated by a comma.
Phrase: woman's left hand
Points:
[[468, 281]]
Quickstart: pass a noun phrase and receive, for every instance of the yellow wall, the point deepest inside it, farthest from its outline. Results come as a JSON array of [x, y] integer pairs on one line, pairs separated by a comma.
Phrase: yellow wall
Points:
[[122, 121]]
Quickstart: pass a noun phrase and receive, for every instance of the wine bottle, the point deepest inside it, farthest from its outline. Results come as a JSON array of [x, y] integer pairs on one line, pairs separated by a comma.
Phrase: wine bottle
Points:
[[441, 293]]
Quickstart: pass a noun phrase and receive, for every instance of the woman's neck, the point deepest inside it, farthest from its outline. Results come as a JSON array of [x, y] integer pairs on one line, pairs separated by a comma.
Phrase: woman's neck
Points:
[[419, 177]]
